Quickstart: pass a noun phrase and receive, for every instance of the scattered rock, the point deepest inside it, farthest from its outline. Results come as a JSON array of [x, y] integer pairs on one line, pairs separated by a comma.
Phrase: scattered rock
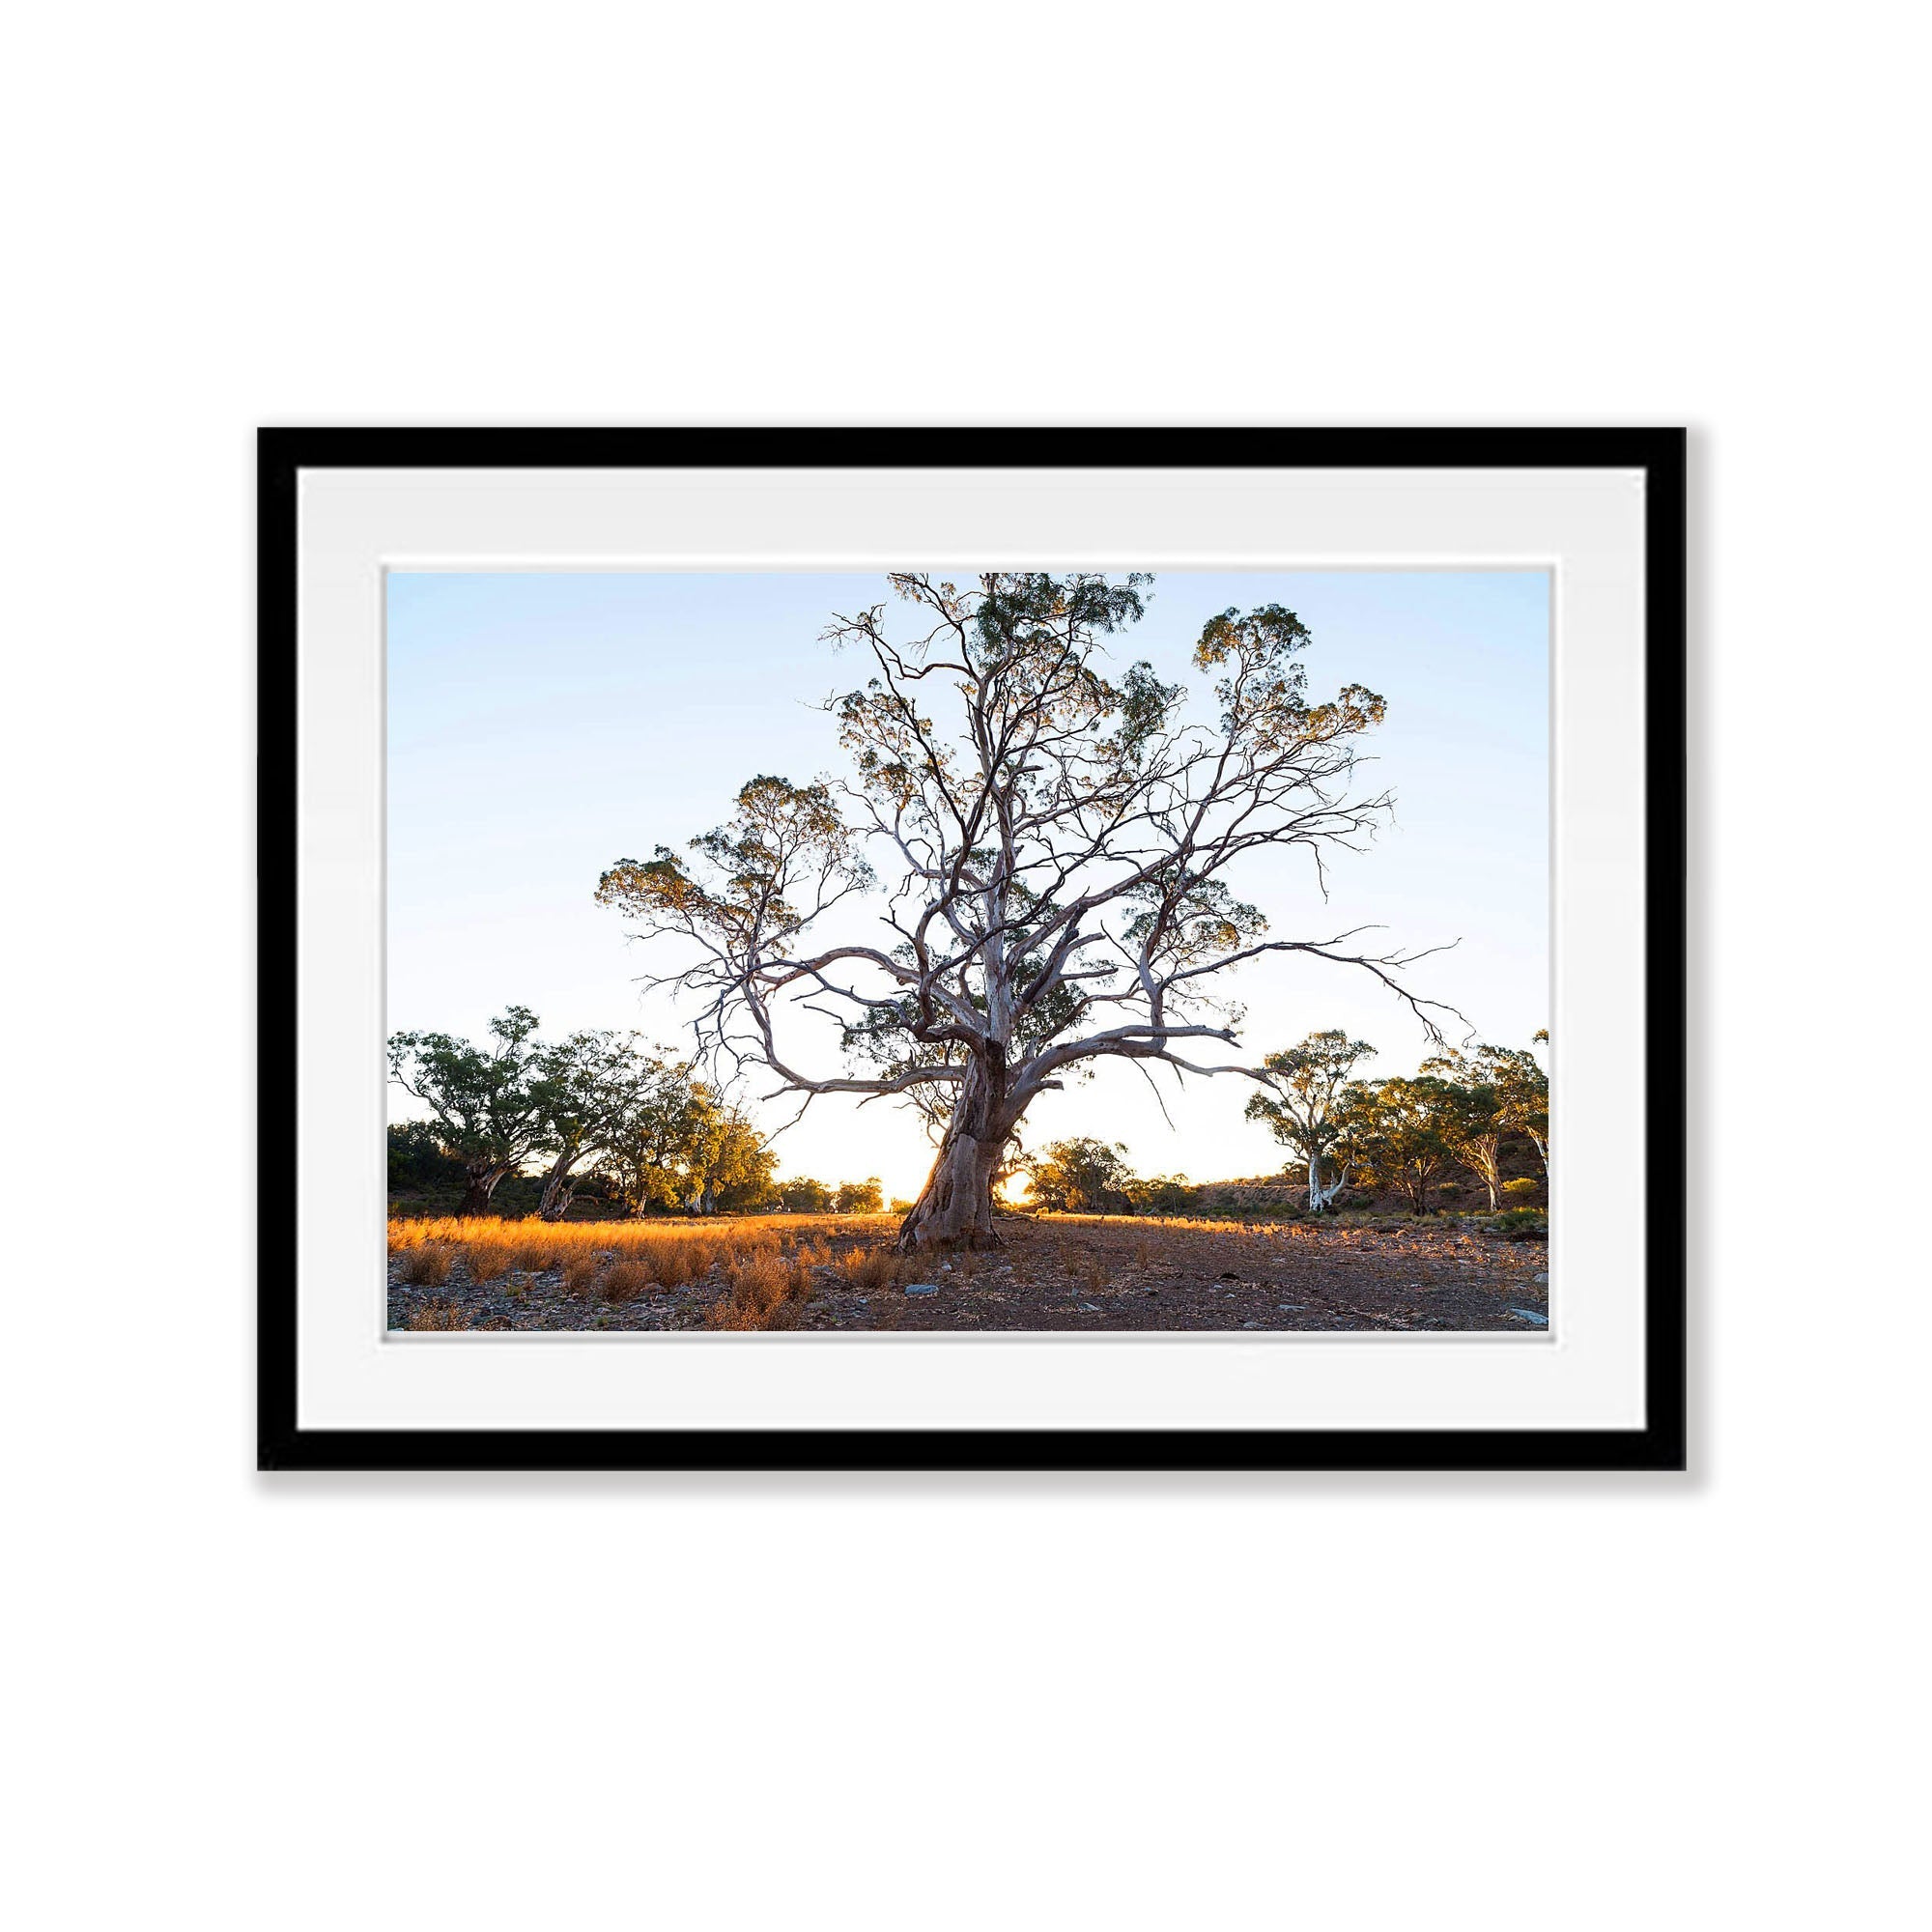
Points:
[[922, 1287], [1541, 1319]]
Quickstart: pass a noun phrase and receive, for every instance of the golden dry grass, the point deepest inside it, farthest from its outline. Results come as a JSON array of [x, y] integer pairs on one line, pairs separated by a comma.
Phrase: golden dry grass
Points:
[[487, 1260], [761, 1291], [703, 1243], [427, 1264], [766, 1261], [624, 1280], [870, 1267]]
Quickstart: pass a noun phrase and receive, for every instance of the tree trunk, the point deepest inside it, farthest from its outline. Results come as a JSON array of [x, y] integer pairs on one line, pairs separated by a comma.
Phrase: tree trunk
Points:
[[482, 1184], [954, 1208], [1320, 1199], [560, 1190]]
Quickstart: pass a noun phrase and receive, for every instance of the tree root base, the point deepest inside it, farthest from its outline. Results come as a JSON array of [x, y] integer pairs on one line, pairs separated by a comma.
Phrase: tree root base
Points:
[[976, 1241]]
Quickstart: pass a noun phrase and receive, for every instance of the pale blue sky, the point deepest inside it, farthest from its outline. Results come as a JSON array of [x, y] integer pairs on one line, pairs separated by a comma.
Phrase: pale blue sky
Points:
[[544, 725]]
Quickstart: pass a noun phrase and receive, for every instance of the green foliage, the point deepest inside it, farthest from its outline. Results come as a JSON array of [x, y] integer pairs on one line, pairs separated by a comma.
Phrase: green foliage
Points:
[[1522, 1224], [723, 1159], [1403, 1133], [487, 1103], [804, 1196], [589, 1085], [781, 833], [1395, 1133], [861, 1197], [419, 1162], [1160, 1194], [1305, 1110], [1081, 1176], [1523, 1089]]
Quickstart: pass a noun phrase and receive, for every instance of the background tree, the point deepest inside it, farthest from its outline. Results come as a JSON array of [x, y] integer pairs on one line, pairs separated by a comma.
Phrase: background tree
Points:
[[1524, 1088], [1162, 1194], [1471, 1117], [1081, 1176], [487, 1102], [1305, 1085], [644, 1158], [1394, 1131], [587, 1087], [419, 1162], [861, 1197], [724, 1159], [1059, 844], [804, 1196]]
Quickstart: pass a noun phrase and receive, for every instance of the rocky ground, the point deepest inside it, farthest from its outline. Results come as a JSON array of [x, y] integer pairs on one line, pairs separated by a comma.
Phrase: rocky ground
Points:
[[1080, 1276]]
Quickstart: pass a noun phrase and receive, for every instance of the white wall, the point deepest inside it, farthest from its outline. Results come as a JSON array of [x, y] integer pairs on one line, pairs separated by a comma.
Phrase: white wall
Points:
[[1333, 1703]]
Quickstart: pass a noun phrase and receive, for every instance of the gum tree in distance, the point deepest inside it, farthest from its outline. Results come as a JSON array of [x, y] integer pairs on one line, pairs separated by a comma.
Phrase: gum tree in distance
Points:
[[591, 1086], [1057, 842], [1303, 1107], [488, 1102]]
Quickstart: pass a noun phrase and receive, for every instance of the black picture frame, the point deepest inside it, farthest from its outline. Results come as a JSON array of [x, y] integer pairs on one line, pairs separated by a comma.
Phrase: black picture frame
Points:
[[1660, 1444]]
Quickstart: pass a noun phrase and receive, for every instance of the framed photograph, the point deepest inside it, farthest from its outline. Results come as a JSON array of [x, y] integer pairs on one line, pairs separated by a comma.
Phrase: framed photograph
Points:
[[971, 949]]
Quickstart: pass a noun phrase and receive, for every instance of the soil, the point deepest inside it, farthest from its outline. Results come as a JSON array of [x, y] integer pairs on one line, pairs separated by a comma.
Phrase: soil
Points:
[[1087, 1277]]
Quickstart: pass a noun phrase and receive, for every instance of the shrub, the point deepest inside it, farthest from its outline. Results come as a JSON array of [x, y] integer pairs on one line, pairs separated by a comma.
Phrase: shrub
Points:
[[624, 1280], [899, 1207], [1522, 1224], [578, 1271], [1520, 1188], [674, 1264], [488, 1261], [870, 1267], [426, 1266], [762, 1293]]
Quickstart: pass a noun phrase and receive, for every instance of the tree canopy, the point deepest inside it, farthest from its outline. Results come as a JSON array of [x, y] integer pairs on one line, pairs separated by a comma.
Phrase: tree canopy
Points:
[[1304, 1105], [488, 1103], [1081, 1176]]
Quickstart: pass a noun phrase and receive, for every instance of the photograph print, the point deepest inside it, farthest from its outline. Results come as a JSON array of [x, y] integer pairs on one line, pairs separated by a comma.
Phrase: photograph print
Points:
[[955, 952]]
